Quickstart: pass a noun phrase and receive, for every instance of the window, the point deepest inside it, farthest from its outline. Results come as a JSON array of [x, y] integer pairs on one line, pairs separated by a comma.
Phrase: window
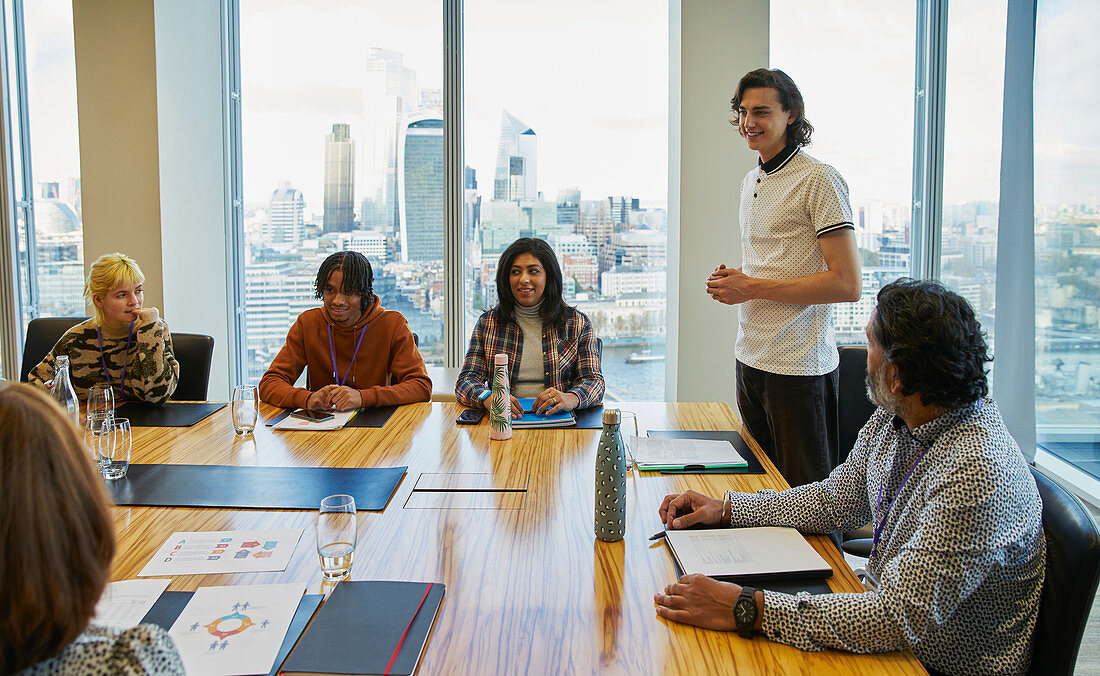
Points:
[[854, 63], [46, 156], [566, 114], [972, 152], [342, 148], [1067, 234]]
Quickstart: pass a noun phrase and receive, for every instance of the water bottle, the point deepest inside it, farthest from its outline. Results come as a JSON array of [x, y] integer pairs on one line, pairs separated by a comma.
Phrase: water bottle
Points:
[[611, 480], [500, 402], [62, 389]]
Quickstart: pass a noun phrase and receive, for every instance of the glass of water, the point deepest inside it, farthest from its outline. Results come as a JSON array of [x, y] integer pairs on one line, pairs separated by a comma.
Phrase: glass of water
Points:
[[336, 536], [245, 403], [114, 448], [100, 409]]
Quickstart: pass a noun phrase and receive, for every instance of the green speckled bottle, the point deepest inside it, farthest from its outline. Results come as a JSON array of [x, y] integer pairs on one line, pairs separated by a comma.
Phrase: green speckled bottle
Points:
[[611, 480]]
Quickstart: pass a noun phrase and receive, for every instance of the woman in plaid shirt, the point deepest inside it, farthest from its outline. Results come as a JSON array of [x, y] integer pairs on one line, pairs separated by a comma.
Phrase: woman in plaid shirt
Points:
[[553, 354]]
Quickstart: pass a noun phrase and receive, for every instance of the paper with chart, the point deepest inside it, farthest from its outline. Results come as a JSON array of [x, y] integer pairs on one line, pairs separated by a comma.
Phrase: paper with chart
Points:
[[734, 552], [124, 603], [226, 551], [236, 629], [662, 452], [337, 421]]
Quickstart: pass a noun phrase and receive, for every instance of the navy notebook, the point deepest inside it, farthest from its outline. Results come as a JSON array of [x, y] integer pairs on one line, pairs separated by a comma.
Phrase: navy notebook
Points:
[[396, 616], [236, 487]]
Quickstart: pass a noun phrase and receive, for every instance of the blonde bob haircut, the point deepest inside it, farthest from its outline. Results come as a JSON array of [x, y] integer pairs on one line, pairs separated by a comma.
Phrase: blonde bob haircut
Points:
[[108, 272]]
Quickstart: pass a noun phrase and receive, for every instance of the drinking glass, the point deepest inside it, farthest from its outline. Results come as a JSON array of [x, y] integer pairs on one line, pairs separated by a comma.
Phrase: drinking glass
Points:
[[245, 403], [114, 448], [100, 409], [336, 536]]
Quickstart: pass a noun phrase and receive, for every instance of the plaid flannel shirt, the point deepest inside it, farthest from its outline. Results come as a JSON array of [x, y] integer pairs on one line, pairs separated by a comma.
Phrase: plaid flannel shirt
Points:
[[571, 358]]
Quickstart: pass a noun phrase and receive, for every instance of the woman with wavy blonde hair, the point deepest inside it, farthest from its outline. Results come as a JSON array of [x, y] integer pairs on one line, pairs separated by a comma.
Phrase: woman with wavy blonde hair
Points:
[[56, 546], [125, 346]]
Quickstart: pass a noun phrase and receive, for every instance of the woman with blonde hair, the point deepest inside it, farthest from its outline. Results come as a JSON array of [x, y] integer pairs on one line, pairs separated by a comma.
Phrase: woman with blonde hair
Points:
[[124, 346], [56, 546]]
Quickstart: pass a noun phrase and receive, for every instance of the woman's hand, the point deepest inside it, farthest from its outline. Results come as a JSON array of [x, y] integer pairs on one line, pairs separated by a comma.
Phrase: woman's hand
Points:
[[517, 410], [552, 401]]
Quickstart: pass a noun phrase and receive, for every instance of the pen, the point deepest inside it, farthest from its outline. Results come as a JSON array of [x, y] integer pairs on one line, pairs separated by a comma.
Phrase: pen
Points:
[[657, 536]]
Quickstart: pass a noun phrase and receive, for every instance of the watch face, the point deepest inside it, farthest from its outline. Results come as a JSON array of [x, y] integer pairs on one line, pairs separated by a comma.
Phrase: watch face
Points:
[[744, 611]]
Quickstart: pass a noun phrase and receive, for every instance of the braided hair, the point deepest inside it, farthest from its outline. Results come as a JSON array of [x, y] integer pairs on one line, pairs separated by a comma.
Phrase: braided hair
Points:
[[358, 276]]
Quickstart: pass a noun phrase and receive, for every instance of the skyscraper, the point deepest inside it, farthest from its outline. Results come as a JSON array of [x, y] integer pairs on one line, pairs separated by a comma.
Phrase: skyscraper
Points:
[[420, 188], [514, 179], [389, 93], [339, 180], [286, 213]]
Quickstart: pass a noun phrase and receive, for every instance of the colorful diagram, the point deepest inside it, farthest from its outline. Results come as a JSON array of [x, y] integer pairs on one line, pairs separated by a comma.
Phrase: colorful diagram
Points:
[[245, 623]]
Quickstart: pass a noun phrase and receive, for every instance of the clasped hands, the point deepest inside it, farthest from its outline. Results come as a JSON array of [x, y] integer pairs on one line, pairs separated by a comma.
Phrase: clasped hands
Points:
[[548, 401], [696, 599], [730, 285], [335, 398]]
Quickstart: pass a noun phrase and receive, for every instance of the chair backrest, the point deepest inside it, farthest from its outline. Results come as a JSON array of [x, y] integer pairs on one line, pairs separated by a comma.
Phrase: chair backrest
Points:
[[194, 352], [853, 406], [1073, 568], [42, 334]]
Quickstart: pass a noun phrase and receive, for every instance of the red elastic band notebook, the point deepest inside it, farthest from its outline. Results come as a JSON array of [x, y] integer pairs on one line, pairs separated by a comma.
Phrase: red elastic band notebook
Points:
[[368, 627]]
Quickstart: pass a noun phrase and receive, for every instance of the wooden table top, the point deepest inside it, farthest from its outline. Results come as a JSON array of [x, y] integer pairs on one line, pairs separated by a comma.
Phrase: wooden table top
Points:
[[529, 588]]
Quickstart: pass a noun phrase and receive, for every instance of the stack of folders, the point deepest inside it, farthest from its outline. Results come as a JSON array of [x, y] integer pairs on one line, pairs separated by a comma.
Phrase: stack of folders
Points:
[[655, 454], [746, 554], [532, 420], [368, 627]]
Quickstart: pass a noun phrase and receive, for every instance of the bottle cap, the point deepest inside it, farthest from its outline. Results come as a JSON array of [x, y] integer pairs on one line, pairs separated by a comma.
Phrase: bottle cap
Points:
[[501, 359], [611, 416]]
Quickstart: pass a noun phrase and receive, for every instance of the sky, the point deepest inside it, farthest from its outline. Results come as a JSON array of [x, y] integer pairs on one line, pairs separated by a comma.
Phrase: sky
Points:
[[592, 80]]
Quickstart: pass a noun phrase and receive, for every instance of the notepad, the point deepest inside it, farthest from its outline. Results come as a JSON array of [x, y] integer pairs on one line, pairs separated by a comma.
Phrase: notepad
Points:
[[746, 554], [532, 420], [338, 420], [653, 453], [368, 627]]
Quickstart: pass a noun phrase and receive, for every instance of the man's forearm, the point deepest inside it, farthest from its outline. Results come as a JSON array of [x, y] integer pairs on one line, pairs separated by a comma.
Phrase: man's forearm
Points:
[[830, 286]]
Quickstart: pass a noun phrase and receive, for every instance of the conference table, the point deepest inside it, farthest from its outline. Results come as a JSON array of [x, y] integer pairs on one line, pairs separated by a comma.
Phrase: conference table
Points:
[[529, 589]]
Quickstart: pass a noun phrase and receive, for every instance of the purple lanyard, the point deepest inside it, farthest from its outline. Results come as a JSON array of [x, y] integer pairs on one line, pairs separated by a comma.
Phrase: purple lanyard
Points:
[[125, 360], [332, 351], [878, 509]]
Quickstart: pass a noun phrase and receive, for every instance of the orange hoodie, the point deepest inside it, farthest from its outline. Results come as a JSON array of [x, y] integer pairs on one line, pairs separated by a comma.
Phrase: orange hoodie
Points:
[[387, 370]]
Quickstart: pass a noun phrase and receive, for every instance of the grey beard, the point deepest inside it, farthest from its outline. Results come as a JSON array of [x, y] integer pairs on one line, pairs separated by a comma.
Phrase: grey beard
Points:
[[879, 393]]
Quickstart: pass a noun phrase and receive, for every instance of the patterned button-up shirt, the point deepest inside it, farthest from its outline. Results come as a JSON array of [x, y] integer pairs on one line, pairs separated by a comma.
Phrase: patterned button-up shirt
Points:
[[570, 353], [960, 559]]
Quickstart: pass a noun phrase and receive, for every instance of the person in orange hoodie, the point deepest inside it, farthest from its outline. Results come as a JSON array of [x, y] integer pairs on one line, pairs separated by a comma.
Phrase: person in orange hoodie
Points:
[[358, 354]]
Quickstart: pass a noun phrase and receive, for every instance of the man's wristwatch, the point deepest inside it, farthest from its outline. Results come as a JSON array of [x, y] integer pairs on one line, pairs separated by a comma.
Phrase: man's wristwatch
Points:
[[744, 612]]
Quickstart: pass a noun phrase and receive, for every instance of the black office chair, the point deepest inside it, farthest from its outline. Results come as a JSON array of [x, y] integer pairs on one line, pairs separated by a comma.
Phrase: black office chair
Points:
[[42, 334], [854, 409], [194, 352], [1073, 569]]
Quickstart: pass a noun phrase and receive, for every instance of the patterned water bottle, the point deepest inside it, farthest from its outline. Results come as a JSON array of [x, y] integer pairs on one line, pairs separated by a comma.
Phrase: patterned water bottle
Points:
[[62, 389], [611, 480], [500, 402]]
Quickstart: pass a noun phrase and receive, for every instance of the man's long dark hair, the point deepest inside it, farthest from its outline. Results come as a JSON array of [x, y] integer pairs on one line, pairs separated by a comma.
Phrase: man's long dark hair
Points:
[[799, 131], [933, 338], [553, 308], [358, 276]]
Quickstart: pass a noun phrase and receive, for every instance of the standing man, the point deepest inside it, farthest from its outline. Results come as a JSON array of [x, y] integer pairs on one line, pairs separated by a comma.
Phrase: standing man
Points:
[[799, 256], [358, 354]]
